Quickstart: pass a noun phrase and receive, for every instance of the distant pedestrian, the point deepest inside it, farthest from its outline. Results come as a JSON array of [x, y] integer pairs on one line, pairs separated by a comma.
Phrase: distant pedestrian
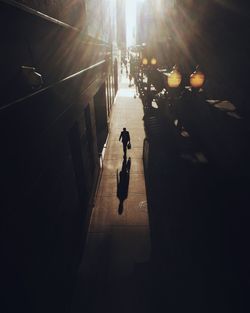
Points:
[[125, 137], [130, 80], [126, 65]]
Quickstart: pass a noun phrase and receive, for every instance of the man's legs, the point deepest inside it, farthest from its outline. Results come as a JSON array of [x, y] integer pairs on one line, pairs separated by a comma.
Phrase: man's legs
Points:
[[124, 148]]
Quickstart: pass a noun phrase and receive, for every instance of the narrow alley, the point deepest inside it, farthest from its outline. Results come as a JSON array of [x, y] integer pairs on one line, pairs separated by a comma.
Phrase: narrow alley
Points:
[[87, 228], [114, 266]]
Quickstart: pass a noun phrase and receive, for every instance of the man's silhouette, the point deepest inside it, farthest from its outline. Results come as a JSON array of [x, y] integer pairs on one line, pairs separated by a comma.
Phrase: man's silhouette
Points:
[[125, 137], [123, 182]]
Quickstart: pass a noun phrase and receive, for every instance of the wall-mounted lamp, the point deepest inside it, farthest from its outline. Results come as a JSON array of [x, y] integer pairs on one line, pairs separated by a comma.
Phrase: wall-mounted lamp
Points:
[[197, 79], [174, 78], [153, 61], [145, 61]]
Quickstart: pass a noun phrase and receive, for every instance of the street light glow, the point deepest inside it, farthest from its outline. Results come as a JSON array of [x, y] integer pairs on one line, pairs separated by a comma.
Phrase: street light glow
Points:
[[197, 79]]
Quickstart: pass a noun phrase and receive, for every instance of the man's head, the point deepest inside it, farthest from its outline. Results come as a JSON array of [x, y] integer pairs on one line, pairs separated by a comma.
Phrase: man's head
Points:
[[124, 128]]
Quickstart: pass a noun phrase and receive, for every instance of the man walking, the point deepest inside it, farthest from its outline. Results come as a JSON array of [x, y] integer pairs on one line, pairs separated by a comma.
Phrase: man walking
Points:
[[125, 137]]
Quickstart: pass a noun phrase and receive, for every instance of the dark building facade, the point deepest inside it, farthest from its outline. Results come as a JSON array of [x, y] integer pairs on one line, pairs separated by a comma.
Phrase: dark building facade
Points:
[[210, 207], [58, 83]]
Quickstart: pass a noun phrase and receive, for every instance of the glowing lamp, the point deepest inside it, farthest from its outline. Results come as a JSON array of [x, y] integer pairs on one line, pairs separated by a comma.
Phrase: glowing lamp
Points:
[[145, 61], [197, 79], [174, 79], [153, 61]]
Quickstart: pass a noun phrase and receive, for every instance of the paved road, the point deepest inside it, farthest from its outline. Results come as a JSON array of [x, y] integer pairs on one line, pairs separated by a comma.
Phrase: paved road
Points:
[[113, 273]]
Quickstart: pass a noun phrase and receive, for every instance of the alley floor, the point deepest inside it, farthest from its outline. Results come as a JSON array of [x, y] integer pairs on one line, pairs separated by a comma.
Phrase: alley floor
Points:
[[114, 267]]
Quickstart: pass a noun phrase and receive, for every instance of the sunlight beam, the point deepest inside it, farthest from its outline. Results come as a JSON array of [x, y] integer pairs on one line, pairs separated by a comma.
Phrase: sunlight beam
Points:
[[131, 21]]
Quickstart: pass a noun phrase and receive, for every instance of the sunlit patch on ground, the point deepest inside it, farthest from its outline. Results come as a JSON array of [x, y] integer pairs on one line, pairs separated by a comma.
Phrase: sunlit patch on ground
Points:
[[226, 106], [201, 157], [198, 157], [143, 206], [185, 134], [126, 93], [154, 105], [235, 115]]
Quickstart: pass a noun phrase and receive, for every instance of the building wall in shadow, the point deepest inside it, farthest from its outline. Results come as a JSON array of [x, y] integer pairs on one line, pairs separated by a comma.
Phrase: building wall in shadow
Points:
[[49, 156]]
